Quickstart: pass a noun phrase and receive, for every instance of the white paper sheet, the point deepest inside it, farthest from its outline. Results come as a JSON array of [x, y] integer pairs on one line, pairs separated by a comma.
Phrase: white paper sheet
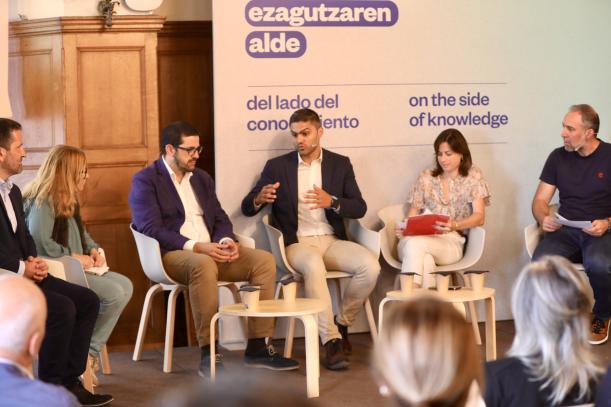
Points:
[[579, 224]]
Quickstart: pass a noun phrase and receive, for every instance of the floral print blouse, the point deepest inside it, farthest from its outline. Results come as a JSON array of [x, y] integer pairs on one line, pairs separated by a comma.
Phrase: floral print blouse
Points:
[[427, 194]]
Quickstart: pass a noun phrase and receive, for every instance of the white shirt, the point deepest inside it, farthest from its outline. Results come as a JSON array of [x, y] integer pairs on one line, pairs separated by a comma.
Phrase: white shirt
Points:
[[310, 222], [194, 227], [5, 189]]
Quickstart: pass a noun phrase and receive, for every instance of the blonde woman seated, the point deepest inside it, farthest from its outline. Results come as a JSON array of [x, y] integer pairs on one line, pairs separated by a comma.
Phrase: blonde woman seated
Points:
[[52, 210], [550, 362], [454, 188], [426, 356]]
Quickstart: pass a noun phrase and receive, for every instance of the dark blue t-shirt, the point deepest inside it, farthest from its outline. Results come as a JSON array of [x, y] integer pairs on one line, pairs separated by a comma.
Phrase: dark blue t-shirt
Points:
[[584, 183]]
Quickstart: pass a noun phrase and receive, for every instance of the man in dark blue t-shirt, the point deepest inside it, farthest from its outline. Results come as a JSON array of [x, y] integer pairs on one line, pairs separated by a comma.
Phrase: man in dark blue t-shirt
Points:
[[581, 171]]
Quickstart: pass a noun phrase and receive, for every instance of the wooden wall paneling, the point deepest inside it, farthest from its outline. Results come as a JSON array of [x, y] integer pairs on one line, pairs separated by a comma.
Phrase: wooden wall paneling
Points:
[[76, 82], [111, 104], [36, 94], [185, 81]]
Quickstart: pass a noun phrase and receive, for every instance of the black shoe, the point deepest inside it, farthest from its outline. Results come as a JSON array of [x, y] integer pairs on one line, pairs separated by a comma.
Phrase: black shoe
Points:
[[204, 365], [268, 358], [343, 330], [334, 357], [85, 398]]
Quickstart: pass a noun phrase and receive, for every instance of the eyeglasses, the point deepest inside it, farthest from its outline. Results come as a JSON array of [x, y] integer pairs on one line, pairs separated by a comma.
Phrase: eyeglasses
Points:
[[191, 150]]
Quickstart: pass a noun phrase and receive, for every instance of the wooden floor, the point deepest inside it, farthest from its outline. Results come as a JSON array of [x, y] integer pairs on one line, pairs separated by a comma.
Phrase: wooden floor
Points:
[[142, 383]]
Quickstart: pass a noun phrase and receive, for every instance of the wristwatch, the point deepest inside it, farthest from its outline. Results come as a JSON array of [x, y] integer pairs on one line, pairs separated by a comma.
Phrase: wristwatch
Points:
[[334, 203]]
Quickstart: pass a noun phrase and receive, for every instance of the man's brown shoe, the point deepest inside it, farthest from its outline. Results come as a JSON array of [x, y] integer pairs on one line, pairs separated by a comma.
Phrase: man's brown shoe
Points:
[[599, 332], [333, 355], [343, 330]]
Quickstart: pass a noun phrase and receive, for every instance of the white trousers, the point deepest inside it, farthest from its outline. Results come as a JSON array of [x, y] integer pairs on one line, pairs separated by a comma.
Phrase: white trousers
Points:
[[313, 256], [445, 249]]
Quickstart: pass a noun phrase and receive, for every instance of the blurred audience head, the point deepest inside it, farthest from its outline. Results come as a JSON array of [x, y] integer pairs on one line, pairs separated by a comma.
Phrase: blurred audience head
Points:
[[426, 354], [23, 311], [233, 390], [551, 305]]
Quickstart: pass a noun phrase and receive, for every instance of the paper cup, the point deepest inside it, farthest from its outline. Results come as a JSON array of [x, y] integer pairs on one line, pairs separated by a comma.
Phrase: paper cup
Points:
[[289, 292], [477, 281], [442, 283], [251, 300], [407, 282]]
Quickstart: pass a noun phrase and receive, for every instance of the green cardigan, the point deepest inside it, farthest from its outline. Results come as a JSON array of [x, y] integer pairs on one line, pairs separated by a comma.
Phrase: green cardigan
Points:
[[40, 220]]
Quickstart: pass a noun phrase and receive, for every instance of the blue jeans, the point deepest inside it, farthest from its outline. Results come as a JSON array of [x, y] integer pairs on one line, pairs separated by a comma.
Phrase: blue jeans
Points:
[[114, 291], [593, 252]]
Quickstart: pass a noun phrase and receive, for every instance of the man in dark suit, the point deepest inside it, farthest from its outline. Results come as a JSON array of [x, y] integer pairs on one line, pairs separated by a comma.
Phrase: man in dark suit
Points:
[[311, 191], [23, 312], [175, 203], [72, 310]]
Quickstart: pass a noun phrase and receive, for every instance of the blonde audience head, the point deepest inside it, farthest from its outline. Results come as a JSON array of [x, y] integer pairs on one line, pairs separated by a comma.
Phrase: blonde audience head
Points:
[[59, 179], [551, 304], [426, 355]]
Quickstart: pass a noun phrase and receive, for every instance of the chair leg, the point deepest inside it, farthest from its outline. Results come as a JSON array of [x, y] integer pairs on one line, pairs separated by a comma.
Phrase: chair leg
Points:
[[144, 319], [277, 293], [373, 331], [105, 361], [473, 317], [290, 335], [169, 329], [236, 300], [397, 283], [472, 311]]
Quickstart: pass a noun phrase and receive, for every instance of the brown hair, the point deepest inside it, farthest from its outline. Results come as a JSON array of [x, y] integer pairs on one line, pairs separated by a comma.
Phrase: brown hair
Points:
[[589, 117], [426, 355], [305, 115], [457, 144]]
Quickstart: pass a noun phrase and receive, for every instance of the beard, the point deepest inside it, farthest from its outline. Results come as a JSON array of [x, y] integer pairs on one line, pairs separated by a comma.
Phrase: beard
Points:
[[189, 166]]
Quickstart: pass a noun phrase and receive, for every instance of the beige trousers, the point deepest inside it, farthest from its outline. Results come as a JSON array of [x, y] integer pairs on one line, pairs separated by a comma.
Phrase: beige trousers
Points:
[[313, 256], [200, 273], [445, 249]]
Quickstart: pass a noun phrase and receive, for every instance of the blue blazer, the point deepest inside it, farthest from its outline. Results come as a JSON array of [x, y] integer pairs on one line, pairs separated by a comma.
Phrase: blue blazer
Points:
[[158, 212], [337, 179], [17, 390], [19, 245]]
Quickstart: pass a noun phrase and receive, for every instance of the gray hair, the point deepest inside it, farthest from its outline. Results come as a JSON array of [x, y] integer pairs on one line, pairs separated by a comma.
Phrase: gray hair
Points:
[[551, 302], [427, 355]]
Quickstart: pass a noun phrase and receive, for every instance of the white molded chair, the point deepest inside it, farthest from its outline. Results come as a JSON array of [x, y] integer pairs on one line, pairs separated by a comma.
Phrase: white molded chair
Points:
[[473, 252], [70, 269], [532, 235], [150, 259], [356, 233]]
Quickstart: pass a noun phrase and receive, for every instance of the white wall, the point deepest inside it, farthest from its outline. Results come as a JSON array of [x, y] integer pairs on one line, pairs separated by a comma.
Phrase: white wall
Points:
[[539, 55], [172, 9]]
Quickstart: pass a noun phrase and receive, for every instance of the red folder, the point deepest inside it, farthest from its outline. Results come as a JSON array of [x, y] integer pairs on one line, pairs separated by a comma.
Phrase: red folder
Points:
[[423, 224]]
